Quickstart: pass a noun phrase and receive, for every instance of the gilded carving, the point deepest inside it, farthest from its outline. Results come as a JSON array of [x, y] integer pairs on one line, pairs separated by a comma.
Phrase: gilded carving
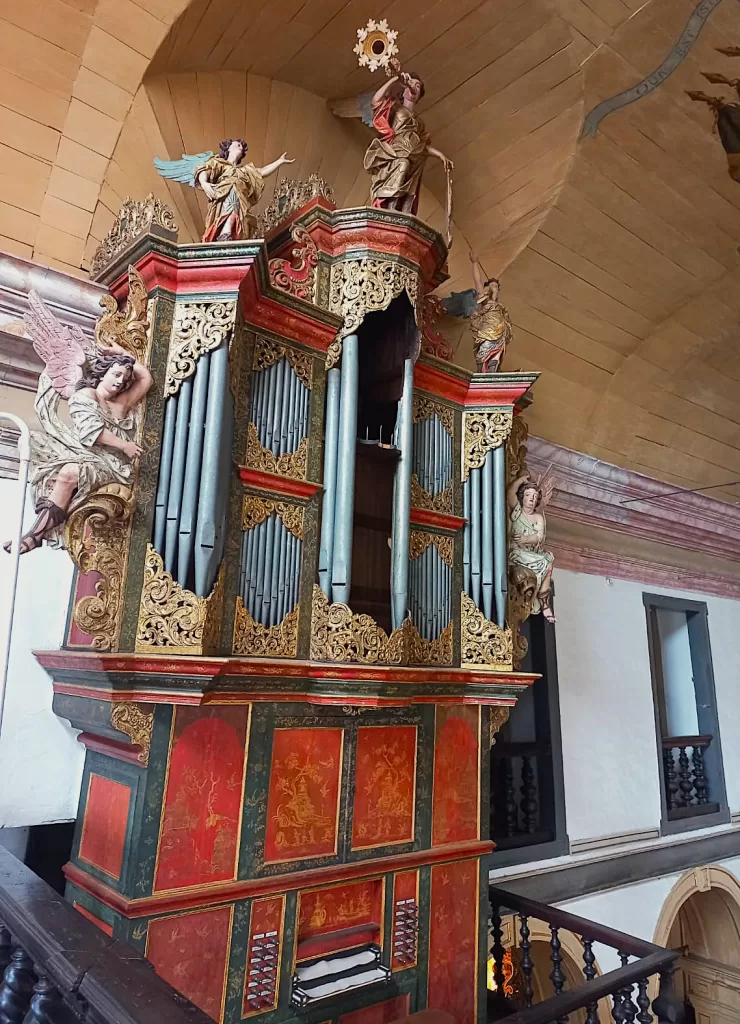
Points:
[[292, 464], [424, 407], [137, 724], [429, 652], [516, 450], [483, 643], [419, 541], [257, 509], [198, 327], [127, 328], [297, 277], [96, 536], [172, 619], [254, 639], [498, 717], [291, 195], [134, 219], [420, 498], [267, 353], [483, 431]]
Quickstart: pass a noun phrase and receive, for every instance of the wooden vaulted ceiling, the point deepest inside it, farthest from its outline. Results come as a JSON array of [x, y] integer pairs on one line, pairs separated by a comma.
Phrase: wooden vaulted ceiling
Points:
[[618, 253]]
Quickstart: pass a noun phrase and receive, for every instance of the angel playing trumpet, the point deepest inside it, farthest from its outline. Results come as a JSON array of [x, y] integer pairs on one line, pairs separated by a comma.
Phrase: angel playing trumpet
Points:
[[527, 501], [231, 187], [102, 384]]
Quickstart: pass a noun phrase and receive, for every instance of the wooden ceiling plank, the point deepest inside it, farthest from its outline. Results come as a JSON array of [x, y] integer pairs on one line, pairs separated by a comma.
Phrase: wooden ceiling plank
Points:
[[564, 337], [163, 106], [211, 100], [234, 91], [183, 31]]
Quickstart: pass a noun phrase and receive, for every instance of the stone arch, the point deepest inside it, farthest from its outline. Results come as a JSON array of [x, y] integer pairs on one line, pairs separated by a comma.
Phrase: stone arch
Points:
[[699, 880]]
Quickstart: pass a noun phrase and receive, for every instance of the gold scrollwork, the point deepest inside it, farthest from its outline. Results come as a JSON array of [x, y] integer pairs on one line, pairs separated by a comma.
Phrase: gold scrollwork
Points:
[[516, 449], [420, 498], [419, 541], [429, 652], [96, 536], [136, 723], [290, 195], [498, 717], [292, 464], [257, 509], [134, 219], [267, 353], [359, 287], [172, 619], [254, 639], [483, 431], [483, 643], [424, 407], [129, 327], [198, 327], [297, 276]]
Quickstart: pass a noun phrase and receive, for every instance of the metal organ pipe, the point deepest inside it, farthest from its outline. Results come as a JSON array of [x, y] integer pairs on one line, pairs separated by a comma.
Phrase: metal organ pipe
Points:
[[165, 473], [500, 554], [177, 476], [326, 549], [487, 535], [345, 486], [189, 510], [214, 476], [475, 573], [402, 501]]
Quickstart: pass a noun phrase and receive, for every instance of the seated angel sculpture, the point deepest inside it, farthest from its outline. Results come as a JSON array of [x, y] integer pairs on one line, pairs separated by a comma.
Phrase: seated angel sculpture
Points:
[[527, 532], [103, 387], [232, 187], [489, 320]]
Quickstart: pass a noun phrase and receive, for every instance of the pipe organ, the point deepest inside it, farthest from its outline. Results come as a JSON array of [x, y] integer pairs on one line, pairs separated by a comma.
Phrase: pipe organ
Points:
[[289, 651]]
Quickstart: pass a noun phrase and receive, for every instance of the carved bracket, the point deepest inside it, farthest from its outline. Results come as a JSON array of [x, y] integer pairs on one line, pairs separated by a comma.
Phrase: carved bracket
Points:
[[483, 643], [419, 541], [255, 640], [198, 327], [297, 276], [420, 498], [256, 510], [267, 353], [424, 407], [137, 724], [292, 464], [483, 431]]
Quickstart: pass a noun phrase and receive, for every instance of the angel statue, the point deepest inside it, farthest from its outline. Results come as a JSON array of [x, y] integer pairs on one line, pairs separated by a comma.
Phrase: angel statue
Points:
[[527, 531], [489, 320], [103, 385], [232, 187]]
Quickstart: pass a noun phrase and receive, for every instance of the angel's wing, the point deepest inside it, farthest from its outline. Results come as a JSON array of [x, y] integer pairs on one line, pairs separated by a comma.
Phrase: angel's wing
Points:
[[461, 303], [61, 348], [547, 485], [182, 170], [354, 106]]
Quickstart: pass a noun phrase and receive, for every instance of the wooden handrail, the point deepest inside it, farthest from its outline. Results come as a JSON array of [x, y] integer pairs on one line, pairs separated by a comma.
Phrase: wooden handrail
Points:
[[672, 742]]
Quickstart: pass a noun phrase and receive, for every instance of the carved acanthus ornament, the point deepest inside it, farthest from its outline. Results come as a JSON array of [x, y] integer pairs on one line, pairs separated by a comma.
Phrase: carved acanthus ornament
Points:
[[522, 592], [516, 450], [290, 196], [482, 432], [173, 620], [424, 407], [498, 717], [96, 536], [257, 509], [419, 541], [292, 464], [420, 498], [297, 276], [127, 328], [137, 724], [359, 287], [134, 219], [267, 353], [338, 635], [433, 343], [198, 327], [254, 639], [483, 644]]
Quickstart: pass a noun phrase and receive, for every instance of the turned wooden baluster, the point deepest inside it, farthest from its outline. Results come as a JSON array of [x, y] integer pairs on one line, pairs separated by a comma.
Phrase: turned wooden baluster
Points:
[[16, 989], [644, 1016], [46, 1005], [700, 781], [6, 948], [557, 976], [589, 973], [684, 778], [498, 950], [509, 798], [529, 804], [667, 1007], [527, 963], [629, 1010], [671, 780]]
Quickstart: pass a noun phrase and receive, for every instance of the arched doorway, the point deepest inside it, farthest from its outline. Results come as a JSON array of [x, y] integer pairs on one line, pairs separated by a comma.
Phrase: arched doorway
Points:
[[701, 918]]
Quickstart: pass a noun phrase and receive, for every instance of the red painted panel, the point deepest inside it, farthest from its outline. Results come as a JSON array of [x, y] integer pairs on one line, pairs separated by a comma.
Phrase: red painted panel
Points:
[[191, 952], [199, 836], [262, 977], [97, 921], [405, 913], [455, 798], [85, 586], [303, 805], [453, 940], [385, 786], [340, 907], [105, 824], [380, 1013]]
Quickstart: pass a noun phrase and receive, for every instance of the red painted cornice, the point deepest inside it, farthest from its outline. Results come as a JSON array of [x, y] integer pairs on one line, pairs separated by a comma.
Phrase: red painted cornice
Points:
[[278, 484], [426, 517]]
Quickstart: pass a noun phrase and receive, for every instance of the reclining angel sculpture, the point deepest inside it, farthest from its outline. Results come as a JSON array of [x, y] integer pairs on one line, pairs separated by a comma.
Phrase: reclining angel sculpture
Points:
[[489, 321], [232, 187], [103, 384], [527, 500]]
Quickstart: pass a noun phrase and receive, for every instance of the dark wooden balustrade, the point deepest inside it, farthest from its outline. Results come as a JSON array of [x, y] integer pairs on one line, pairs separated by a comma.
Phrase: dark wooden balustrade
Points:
[[686, 787], [517, 818], [58, 968], [625, 988]]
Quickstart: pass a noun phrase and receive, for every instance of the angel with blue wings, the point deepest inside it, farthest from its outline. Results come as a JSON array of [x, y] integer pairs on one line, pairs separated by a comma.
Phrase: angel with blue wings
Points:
[[489, 320], [232, 187]]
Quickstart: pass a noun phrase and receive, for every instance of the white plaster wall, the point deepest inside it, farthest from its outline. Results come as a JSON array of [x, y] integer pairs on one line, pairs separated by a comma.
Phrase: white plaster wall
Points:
[[610, 759], [40, 758]]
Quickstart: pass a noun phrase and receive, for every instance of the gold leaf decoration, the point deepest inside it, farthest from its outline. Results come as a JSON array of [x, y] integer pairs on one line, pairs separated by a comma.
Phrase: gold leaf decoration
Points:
[[290, 195], [171, 618], [297, 276], [483, 643], [498, 717], [254, 639], [429, 652], [257, 509], [420, 498], [516, 450], [419, 541], [267, 353], [134, 218], [292, 464], [128, 328], [137, 724], [198, 327], [96, 536], [424, 407], [483, 431]]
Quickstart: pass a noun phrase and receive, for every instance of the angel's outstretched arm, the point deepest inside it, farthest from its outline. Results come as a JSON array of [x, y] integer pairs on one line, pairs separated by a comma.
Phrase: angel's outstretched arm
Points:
[[269, 169], [479, 277]]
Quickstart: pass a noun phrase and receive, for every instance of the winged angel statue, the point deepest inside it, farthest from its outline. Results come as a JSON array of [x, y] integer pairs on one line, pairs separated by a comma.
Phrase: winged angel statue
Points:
[[489, 321], [231, 186], [102, 384], [527, 500]]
